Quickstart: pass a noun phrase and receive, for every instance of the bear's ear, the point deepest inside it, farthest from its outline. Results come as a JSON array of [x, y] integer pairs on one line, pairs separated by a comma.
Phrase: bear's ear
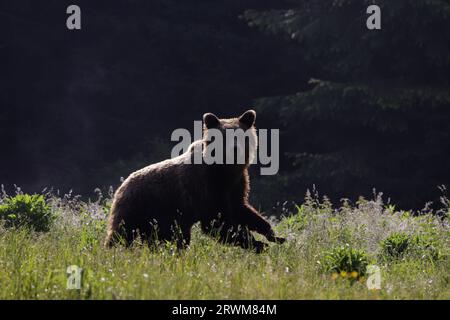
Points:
[[248, 118], [210, 120]]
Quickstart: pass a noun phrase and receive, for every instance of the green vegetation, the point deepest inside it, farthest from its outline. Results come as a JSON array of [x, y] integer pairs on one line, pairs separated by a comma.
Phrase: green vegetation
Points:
[[401, 245], [322, 242], [26, 210], [346, 259], [395, 245]]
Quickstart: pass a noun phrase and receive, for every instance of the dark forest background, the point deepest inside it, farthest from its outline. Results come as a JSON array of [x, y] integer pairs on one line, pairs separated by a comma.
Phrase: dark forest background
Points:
[[357, 109]]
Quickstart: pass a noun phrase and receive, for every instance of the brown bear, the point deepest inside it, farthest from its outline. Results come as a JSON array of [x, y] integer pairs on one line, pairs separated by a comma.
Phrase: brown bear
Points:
[[164, 200]]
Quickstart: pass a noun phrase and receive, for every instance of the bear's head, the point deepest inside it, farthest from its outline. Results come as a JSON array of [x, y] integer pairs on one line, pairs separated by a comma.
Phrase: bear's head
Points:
[[230, 141]]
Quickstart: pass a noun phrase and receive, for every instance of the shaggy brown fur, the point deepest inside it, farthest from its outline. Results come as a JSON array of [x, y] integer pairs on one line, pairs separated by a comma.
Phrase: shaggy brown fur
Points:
[[164, 200]]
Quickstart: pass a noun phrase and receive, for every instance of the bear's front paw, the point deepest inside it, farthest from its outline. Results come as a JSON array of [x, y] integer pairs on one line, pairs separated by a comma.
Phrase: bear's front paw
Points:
[[259, 246], [273, 238], [280, 240]]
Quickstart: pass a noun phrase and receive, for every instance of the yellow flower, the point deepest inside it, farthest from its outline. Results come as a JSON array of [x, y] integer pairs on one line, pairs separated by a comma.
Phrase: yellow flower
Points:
[[354, 274], [334, 276], [343, 274]]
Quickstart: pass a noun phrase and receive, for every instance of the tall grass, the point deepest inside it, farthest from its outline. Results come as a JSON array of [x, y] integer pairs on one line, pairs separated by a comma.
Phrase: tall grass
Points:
[[33, 265]]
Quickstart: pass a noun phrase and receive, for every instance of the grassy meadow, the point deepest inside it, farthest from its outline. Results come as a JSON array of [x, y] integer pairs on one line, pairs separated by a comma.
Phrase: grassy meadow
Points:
[[325, 257]]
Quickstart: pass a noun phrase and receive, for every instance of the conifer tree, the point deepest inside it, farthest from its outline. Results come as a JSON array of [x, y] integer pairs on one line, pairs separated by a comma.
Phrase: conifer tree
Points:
[[377, 113]]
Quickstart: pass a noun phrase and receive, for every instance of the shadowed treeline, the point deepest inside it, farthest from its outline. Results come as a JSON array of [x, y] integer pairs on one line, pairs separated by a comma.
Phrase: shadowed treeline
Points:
[[83, 108], [80, 109]]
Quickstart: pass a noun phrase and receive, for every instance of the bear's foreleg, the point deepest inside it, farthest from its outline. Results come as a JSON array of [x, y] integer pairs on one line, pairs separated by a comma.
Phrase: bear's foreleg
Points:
[[255, 222], [233, 234]]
